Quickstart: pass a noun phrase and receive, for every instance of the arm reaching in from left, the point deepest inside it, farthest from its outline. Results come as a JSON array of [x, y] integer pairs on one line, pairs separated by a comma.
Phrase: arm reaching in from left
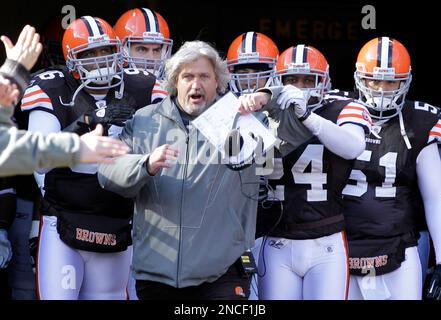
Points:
[[8, 93], [27, 49], [249, 103], [21, 57], [94, 148]]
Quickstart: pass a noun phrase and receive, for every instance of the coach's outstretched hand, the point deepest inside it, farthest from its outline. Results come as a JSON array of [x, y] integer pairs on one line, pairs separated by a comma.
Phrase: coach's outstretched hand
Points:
[[27, 49], [98, 149]]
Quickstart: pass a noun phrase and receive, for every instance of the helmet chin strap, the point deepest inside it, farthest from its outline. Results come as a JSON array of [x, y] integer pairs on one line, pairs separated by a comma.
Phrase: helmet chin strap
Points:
[[118, 93], [402, 129], [71, 103]]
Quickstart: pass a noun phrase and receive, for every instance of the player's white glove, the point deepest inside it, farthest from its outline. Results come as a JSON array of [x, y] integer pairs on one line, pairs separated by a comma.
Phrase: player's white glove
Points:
[[291, 95], [233, 148], [5, 249]]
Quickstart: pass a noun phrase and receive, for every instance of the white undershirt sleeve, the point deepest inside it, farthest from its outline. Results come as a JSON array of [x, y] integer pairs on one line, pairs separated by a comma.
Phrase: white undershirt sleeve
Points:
[[44, 122], [429, 177], [346, 141]]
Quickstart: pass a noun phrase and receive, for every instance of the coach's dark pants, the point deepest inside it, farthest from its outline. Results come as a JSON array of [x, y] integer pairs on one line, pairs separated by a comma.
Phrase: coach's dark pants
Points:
[[230, 286]]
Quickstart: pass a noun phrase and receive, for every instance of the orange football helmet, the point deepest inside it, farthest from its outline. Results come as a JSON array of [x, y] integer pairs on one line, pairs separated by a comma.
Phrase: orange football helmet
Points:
[[383, 59], [100, 72], [305, 60], [251, 50], [147, 27]]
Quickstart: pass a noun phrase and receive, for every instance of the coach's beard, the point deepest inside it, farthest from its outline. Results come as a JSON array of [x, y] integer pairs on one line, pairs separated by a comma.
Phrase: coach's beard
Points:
[[196, 108]]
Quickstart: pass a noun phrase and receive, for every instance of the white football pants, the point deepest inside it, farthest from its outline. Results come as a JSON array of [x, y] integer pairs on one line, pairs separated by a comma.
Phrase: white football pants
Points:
[[65, 273], [401, 284], [312, 269]]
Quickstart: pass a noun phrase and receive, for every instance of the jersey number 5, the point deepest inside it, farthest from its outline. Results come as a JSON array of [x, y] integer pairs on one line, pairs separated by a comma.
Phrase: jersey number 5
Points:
[[387, 190]]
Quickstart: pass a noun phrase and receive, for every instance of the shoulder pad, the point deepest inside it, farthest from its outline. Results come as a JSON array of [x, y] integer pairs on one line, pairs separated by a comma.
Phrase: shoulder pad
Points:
[[49, 79], [34, 97]]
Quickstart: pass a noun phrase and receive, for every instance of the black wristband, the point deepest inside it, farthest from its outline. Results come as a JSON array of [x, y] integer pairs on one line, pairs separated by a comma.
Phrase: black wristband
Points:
[[238, 166], [306, 115], [16, 73]]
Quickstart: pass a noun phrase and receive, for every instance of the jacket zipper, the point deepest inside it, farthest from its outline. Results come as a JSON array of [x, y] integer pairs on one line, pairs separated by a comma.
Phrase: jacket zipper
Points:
[[187, 135], [184, 175]]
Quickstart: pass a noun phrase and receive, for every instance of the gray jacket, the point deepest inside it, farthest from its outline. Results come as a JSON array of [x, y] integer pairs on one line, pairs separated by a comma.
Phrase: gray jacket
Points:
[[22, 152], [191, 221]]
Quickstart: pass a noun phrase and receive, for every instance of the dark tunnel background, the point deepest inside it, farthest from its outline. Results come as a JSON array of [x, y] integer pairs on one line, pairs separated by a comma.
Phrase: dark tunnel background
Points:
[[334, 27]]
